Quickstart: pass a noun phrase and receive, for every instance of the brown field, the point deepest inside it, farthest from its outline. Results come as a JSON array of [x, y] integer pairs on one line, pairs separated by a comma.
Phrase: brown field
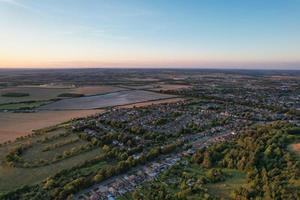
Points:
[[142, 104], [13, 125], [295, 148]]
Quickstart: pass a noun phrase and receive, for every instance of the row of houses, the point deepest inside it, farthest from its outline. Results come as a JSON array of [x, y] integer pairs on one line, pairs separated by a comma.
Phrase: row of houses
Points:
[[120, 185]]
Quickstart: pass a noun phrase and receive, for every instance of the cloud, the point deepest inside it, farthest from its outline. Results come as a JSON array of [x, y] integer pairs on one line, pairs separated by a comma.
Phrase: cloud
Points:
[[19, 4], [14, 3]]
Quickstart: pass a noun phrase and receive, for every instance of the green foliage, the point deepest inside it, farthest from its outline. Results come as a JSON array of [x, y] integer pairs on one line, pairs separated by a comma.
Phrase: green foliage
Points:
[[183, 181], [15, 94], [70, 95], [294, 131], [262, 152]]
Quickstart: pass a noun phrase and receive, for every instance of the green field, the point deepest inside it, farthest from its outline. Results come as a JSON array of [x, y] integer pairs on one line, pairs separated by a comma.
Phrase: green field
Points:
[[33, 175], [35, 94], [23, 105], [223, 189], [15, 94]]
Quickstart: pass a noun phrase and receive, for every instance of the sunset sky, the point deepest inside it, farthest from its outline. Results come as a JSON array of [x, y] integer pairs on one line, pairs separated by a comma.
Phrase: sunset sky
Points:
[[150, 33]]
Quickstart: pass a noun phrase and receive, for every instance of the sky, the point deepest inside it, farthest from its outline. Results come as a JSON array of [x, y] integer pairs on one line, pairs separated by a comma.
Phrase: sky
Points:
[[150, 33]]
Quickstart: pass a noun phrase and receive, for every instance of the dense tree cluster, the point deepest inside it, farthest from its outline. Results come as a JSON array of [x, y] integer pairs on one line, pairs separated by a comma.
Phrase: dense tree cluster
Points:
[[262, 153], [14, 155]]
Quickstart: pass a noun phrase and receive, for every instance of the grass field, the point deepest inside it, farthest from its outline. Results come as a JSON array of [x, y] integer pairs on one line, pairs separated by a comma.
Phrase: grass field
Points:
[[37, 151], [13, 125], [224, 189], [24, 105], [35, 94], [30, 176]]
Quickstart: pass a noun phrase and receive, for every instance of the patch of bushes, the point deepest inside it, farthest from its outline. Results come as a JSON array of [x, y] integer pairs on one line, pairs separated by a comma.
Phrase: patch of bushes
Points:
[[15, 94], [71, 95]]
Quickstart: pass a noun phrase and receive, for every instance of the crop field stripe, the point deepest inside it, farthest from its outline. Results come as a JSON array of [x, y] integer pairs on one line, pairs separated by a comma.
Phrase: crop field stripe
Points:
[[103, 101]]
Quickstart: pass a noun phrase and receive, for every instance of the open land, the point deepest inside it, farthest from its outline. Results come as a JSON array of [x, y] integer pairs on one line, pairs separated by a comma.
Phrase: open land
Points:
[[26, 122], [39, 93], [8, 175], [35, 94], [106, 100], [94, 90], [164, 87], [154, 102]]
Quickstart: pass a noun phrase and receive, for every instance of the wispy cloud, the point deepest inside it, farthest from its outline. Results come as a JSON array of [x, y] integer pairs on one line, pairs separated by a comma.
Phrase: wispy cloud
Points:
[[14, 3], [20, 5]]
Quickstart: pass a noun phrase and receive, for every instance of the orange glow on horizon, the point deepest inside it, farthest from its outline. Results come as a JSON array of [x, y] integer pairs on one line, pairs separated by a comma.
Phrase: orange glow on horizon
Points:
[[144, 63]]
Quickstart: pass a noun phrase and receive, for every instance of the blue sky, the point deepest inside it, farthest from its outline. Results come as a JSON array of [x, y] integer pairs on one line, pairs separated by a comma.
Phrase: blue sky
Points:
[[144, 33]]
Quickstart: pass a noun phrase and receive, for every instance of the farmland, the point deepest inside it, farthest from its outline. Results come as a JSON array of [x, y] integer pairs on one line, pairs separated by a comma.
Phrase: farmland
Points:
[[26, 122], [35, 94], [22, 105], [107, 100], [38, 93], [94, 90], [164, 87], [148, 103], [29, 175]]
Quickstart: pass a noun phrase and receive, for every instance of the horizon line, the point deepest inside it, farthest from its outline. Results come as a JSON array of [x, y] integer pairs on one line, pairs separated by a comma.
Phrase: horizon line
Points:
[[158, 67]]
